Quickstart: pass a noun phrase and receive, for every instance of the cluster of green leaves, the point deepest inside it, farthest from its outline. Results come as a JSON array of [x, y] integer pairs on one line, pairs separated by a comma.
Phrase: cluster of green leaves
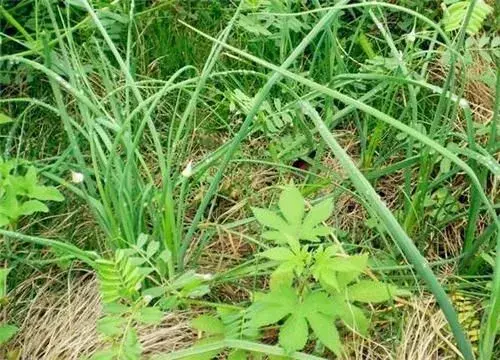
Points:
[[130, 281], [119, 328], [456, 11], [259, 19], [7, 331], [113, 16], [22, 195], [227, 324], [272, 117], [311, 287]]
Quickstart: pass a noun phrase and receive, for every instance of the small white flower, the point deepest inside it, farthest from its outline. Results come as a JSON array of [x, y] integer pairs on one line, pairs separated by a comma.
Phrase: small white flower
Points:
[[77, 177], [188, 170], [147, 299], [464, 104]]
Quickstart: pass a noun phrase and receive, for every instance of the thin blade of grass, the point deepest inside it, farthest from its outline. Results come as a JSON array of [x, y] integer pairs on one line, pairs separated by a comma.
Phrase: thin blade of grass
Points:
[[422, 267]]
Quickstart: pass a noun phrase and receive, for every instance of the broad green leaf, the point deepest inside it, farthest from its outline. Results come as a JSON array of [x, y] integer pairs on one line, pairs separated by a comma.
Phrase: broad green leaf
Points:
[[154, 292], [111, 325], [328, 280], [32, 206], [4, 118], [9, 206], [370, 291], [149, 315], [276, 236], [292, 206], [282, 276], [278, 254], [314, 233], [4, 220], [319, 213], [318, 301], [350, 263], [7, 332], [273, 306], [45, 193], [209, 324], [355, 318], [270, 219], [324, 328], [294, 333], [267, 314], [345, 278]]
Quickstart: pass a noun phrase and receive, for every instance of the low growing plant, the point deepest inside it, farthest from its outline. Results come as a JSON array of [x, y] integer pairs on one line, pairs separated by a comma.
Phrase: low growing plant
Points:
[[22, 195], [312, 286]]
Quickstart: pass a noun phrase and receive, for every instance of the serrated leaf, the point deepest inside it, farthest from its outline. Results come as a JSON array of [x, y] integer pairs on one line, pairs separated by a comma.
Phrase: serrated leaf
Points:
[[268, 314], [294, 333], [355, 318], [324, 328], [292, 206], [351, 263], [345, 278], [149, 315], [209, 324], [328, 280], [370, 291], [277, 254], [270, 219], [7, 331], [276, 236], [274, 306], [32, 206], [282, 276], [318, 302], [318, 213]]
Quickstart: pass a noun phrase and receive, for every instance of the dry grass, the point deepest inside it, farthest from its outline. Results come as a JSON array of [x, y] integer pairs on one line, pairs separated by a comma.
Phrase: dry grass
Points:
[[62, 325], [424, 336]]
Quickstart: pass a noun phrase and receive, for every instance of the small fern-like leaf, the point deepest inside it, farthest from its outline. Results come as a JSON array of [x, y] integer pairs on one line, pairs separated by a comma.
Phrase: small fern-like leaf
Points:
[[120, 277], [455, 15]]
